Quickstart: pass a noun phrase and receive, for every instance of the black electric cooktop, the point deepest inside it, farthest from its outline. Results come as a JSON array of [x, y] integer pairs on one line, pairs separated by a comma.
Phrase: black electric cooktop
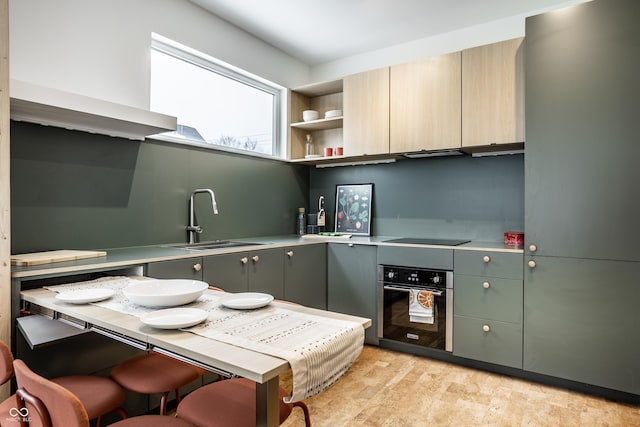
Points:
[[425, 241]]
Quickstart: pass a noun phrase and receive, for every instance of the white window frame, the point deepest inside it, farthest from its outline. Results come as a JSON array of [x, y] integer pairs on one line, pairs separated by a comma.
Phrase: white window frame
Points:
[[192, 56]]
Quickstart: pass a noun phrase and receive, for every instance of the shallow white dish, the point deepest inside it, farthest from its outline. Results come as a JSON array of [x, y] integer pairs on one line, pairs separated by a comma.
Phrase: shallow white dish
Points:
[[246, 300], [332, 113], [85, 296], [174, 318], [164, 293]]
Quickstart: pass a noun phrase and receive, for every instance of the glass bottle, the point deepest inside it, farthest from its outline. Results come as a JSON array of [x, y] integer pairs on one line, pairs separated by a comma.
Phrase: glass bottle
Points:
[[301, 223], [310, 148]]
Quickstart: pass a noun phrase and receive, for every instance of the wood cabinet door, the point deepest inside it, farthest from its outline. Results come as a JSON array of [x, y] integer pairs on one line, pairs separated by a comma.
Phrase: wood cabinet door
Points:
[[493, 94], [366, 113], [425, 110]]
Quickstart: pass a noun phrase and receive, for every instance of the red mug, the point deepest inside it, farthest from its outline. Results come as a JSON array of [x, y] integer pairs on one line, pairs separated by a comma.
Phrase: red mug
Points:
[[338, 151], [328, 152]]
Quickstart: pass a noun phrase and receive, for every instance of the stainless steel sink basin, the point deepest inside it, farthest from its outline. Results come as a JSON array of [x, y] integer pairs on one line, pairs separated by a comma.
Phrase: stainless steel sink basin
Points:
[[218, 244]]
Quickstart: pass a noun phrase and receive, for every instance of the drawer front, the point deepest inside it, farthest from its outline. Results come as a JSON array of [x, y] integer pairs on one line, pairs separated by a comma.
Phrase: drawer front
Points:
[[501, 344], [190, 268], [441, 259], [487, 263], [488, 298]]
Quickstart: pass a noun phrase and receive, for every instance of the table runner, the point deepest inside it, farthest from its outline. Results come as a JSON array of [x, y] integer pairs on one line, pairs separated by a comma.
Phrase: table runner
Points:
[[319, 349]]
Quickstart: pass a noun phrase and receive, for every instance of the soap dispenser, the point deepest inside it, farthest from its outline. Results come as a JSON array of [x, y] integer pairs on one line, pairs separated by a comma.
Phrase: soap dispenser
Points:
[[321, 214]]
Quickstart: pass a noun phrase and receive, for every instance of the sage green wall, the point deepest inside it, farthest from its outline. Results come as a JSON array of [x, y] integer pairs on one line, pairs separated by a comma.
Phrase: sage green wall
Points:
[[75, 190], [476, 198]]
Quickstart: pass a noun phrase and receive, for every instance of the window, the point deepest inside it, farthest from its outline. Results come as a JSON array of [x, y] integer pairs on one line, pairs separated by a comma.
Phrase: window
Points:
[[216, 104]]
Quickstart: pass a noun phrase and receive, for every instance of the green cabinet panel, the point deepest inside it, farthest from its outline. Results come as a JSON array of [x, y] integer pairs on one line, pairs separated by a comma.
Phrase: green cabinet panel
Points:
[[488, 263], [305, 275], [582, 150], [190, 268], [581, 321], [352, 280], [416, 257], [488, 340], [250, 271], [488, 298]]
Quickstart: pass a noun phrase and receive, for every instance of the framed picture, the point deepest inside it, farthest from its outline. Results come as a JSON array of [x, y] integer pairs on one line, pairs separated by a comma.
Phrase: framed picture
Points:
[[353, 209]]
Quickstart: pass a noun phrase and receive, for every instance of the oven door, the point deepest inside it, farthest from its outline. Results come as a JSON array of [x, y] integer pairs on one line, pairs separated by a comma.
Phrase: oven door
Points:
[[396, 322]]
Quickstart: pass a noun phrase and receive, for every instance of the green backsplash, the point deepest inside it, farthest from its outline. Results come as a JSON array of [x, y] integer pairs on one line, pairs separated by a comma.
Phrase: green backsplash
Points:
[[75, 190]]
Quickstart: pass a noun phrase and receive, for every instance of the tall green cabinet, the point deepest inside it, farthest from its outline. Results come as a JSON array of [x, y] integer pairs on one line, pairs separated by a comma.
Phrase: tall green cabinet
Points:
[[582, 194]]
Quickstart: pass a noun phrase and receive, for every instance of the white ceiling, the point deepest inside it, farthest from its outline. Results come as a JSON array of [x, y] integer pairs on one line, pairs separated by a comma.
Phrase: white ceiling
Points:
[[321, 31]]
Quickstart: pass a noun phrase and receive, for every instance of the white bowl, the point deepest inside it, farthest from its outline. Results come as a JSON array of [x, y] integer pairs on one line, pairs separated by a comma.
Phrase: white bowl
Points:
[[165, 293], [309, 115], [332, 113]]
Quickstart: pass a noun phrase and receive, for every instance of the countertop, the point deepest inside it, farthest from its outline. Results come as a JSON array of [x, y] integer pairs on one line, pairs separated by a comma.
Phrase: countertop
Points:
[[138, 255]]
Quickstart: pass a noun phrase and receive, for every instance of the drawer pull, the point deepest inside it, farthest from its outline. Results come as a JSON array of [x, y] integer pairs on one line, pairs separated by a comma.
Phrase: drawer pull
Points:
[[533, 248], [531, 264], [486, 285], [290, 254], [486, 328], [255, 258], [244, 260], [486, 258], [197, 267]]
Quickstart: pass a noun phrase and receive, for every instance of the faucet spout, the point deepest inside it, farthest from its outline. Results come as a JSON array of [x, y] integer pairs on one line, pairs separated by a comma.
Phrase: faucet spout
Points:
[[192, 228]]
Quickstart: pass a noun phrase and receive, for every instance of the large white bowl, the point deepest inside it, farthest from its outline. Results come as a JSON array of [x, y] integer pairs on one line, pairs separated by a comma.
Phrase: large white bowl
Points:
[[309, 115], [165, 293]]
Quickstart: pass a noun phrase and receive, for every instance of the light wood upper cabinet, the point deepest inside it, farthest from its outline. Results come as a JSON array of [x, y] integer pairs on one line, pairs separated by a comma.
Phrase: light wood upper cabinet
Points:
[[425, 104], [493, 94], [366, 113]]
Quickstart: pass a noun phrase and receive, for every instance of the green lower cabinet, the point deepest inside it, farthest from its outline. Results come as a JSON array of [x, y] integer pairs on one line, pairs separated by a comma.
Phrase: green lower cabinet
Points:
[[190, 268], [489, 341], [305, 275], [254, 271], [352, 280], [581, 321]]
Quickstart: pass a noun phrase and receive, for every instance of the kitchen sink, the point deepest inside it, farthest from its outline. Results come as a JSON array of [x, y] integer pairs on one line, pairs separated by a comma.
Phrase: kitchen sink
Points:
[[218, 244]]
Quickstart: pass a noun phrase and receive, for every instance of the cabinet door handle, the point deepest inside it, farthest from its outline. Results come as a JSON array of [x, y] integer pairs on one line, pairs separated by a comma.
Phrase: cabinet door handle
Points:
[[350, 245], [486, 258], [531, 264], [244, 260], [290, 254], [255, 258], [533, 248], [486, 285], [486, 328], [197, 267]]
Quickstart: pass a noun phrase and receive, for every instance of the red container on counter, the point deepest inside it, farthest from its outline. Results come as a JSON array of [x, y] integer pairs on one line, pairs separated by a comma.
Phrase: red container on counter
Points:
[[513, 238]]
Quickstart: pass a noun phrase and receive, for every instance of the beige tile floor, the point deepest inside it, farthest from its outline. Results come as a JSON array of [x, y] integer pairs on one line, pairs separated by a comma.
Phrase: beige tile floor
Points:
[[389, 389]]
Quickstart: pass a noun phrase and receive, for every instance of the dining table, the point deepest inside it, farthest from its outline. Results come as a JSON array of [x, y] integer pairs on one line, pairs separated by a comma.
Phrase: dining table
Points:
[[196, 345]]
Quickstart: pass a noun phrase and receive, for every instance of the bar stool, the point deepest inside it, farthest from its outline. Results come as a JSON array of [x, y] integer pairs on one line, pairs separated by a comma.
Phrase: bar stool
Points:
[[153, 373], [50, 405], [98, 395], [230, 403]]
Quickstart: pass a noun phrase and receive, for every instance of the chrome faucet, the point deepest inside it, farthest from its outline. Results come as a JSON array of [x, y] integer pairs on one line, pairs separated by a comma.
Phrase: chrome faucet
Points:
[[193, 229]]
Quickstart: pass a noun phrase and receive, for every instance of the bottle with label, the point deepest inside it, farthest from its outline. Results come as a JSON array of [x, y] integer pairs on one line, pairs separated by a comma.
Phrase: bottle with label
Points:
[[301, 224], [310, 148]]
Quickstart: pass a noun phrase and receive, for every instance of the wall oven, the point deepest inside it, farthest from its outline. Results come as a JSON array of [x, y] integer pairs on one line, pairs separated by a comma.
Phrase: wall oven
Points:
[[415, 305]]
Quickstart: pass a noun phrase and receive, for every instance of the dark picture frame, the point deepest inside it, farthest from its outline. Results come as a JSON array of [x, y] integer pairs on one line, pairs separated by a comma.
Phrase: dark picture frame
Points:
[[353, 209]]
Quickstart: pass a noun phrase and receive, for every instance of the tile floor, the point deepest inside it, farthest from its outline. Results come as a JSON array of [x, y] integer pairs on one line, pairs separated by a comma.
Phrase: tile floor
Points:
[[389, 389]]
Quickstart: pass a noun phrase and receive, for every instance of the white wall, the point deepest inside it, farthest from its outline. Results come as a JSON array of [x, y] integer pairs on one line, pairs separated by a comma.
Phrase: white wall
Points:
[[100, 48]]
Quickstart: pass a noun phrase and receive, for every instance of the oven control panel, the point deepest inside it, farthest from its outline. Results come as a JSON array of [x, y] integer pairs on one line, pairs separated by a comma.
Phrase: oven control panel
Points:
[[414, 276]]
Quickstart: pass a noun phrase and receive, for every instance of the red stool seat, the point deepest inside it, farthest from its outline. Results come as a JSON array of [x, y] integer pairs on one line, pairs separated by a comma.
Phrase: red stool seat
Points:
[[87, 388], [155, 373], [229, 403], [152, 421]]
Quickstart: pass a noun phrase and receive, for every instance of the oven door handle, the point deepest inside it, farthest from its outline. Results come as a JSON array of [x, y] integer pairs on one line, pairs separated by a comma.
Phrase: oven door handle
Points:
[[403, 289]]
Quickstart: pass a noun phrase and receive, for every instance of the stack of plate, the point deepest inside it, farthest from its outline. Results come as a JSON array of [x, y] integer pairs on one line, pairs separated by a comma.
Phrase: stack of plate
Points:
[[332, 113]]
